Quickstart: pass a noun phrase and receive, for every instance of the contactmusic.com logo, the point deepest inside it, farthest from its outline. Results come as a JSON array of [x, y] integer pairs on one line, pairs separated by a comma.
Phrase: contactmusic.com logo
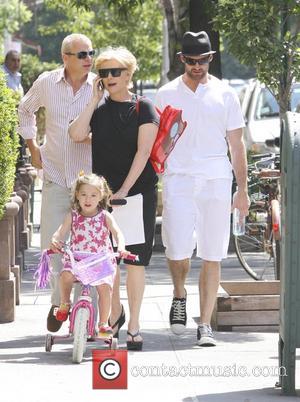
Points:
[[109, 369]]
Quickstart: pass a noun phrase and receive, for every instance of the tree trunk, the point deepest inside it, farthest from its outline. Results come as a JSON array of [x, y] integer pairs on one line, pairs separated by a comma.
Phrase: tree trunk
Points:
[[176, 12], [201, 20], [183, 16]]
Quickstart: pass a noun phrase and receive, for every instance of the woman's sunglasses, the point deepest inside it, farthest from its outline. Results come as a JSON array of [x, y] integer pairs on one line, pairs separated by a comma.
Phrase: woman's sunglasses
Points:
[[83, 54], [193, 62], [115, 72]]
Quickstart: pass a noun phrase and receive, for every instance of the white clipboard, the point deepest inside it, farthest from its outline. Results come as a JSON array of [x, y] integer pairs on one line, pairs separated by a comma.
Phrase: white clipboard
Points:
[[129, 218]]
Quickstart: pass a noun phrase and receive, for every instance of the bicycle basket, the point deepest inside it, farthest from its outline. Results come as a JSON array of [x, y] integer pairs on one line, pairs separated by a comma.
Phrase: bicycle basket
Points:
[[91, 267]]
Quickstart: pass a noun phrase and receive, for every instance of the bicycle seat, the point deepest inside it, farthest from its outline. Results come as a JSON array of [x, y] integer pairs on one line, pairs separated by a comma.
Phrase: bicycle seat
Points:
[[268, 174]]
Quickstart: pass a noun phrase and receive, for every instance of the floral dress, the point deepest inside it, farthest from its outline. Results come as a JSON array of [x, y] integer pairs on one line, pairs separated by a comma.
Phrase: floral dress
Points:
[[90, 234]]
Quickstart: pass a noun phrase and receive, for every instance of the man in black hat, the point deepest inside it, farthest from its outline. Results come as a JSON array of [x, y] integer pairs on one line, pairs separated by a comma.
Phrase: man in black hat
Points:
[[198, 179]]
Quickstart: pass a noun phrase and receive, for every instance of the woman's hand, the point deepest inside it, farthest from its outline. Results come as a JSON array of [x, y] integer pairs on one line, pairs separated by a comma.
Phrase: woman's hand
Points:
[[120, 194], [98, 89]]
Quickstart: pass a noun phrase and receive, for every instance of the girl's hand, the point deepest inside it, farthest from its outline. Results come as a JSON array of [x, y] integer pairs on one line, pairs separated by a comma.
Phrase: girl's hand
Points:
[[123, 252], [98, 89], [56, 245]]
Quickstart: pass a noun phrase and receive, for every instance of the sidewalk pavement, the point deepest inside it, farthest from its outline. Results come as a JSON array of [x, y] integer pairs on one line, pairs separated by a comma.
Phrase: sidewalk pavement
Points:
[[188, 373]]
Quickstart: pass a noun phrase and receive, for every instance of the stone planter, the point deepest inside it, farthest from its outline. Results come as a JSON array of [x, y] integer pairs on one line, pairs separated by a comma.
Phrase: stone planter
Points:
[[7, 278]]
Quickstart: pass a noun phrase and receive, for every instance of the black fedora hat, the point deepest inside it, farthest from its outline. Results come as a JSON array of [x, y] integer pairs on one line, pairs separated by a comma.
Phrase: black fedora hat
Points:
[[196, 44]]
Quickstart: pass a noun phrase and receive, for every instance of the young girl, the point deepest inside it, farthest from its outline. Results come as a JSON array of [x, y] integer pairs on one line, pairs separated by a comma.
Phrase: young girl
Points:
[[90, 225]]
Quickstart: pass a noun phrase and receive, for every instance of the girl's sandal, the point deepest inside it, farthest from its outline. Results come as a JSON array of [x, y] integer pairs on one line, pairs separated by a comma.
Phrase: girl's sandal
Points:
[[134, 345], [63, 311]]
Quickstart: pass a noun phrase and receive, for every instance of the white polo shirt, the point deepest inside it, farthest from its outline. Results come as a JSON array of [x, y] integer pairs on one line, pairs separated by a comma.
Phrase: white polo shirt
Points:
[[210, 111]]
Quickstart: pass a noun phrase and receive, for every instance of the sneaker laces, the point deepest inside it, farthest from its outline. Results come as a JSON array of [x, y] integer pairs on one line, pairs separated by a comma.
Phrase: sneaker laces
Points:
[[179, 309], [205, 330]]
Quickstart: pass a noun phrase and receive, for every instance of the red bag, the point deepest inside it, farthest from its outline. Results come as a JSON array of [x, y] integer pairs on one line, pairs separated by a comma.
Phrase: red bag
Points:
[[171, 127]]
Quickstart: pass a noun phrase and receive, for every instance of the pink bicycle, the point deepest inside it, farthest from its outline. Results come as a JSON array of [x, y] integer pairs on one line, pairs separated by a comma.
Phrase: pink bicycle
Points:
[[82, 315]]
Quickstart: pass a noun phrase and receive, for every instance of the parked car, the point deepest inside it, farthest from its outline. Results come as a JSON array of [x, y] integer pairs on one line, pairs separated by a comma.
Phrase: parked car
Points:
[[239, 85], [149, 93], [261, 112]]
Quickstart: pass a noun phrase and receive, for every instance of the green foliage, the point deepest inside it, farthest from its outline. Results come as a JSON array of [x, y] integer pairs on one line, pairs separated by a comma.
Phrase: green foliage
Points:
[[124, 6], [231, 68], [9, 142], [140, 30], [254, 33], [13, 14], [50, 44], [32, 67]]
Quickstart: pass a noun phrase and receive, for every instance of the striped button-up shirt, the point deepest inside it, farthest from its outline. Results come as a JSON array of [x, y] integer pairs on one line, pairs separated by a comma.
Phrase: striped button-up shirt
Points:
[[62, 159]]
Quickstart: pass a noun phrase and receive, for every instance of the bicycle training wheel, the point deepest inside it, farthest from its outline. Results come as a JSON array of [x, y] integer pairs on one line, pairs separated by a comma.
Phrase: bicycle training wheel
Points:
[[80, 334], [48, 342], [257, 250], [114, 343]]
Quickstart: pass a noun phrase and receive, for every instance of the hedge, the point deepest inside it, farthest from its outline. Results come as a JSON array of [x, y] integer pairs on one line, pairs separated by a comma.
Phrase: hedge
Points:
[[9, 142]]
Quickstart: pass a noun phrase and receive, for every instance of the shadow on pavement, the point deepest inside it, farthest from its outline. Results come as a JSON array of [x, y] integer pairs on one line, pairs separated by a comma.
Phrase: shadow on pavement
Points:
[[154, 341], [257, 395]]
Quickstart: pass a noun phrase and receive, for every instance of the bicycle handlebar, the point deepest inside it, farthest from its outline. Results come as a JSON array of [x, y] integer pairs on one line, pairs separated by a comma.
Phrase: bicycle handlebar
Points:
[[262, 156], [130, 257], [118, 201]]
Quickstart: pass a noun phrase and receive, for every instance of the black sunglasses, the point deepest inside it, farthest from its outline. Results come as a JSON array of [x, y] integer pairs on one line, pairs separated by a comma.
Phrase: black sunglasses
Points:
[[83, 54], [115, 72], [193, 62]]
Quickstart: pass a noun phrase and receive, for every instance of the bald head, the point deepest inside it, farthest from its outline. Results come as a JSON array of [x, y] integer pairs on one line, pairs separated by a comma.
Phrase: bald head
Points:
[[12, 61]]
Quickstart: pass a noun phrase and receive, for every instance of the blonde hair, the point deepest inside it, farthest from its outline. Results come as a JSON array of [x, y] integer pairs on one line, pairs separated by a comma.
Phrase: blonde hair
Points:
[[120, 54], [93, 180], [68, 41]]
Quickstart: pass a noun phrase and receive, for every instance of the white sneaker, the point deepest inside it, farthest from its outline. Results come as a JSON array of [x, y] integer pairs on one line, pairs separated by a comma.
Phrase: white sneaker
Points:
[[205, 336]]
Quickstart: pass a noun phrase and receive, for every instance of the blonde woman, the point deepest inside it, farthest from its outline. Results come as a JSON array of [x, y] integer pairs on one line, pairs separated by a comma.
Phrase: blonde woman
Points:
[[122, 139]]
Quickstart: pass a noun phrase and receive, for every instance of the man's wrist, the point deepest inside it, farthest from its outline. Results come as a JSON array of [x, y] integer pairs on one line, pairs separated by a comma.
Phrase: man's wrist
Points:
[[242, 190]]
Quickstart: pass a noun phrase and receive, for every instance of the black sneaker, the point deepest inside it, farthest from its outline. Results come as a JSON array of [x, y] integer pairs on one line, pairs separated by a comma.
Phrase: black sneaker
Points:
[[178, 315], [205, 336]]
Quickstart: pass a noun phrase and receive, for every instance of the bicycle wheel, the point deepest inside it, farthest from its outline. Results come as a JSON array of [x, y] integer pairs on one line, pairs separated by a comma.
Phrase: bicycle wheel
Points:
[[256, 249], [276, 252], [276, 225], [80, 334]]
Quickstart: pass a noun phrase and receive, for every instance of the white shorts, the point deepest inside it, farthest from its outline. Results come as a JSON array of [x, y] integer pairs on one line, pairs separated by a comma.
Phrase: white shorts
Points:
[[196, 211]]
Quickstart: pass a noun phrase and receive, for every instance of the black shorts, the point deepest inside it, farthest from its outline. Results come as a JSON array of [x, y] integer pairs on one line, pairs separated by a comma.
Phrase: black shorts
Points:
[[144, 250]]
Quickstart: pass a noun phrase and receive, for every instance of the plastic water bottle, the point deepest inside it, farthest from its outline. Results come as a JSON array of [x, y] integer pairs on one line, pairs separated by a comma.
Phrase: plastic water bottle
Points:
[[238, 223]]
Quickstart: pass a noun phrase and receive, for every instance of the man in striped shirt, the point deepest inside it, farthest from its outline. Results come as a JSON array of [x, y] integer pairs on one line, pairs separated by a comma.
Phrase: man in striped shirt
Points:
[[64, 93]]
